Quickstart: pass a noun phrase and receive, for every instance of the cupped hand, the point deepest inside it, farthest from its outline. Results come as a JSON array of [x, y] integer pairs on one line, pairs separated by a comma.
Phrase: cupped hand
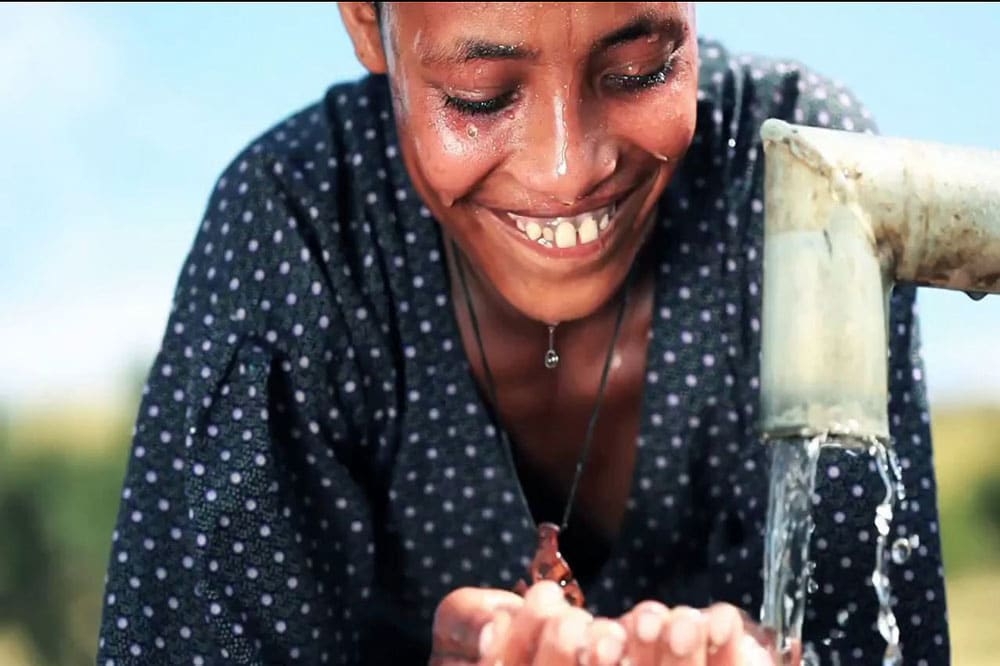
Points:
[[460, 620], [720, 635], [488, 626]]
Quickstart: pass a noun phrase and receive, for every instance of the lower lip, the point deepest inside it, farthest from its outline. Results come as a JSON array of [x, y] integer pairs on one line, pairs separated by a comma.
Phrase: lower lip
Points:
[[578, 251]]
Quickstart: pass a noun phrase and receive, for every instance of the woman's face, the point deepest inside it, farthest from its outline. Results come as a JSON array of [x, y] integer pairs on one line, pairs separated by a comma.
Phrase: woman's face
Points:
[[540, 135]]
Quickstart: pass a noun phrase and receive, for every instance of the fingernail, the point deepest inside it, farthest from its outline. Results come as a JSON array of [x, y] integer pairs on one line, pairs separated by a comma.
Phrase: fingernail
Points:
[[648, 627], [682, 636], [609, 650], [486, 636], [720, 631], [571, 632], [760, 657], [753, 653]]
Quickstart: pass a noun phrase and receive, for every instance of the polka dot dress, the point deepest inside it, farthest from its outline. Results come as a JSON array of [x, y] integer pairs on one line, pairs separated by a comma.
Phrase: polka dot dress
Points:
[[312, 467]]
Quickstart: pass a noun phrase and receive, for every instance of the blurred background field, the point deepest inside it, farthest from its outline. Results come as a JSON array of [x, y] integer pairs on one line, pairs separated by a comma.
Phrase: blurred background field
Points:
[[60, 474], [116, 118]]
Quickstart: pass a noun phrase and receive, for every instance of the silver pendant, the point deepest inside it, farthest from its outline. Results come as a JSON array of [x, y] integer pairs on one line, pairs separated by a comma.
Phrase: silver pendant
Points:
[[551, 356]]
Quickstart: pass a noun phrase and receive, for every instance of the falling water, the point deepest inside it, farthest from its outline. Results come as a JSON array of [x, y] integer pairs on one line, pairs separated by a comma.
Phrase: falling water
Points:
[[787, 568], [891, 472], [786, 550]]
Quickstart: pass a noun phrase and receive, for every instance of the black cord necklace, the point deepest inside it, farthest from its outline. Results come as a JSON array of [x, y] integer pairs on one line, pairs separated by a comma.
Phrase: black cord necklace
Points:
[[548, 563]]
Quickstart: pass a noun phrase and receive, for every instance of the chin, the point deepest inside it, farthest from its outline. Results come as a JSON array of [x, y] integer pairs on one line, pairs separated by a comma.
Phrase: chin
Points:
[[555, 300]]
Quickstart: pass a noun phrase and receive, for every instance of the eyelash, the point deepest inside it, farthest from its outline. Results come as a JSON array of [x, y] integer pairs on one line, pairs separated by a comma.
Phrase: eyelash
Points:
[[639, 82], [480, 107], [625, 83]]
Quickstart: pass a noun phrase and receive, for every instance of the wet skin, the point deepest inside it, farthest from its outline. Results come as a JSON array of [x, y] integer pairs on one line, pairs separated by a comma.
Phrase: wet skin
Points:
[[512, 117]]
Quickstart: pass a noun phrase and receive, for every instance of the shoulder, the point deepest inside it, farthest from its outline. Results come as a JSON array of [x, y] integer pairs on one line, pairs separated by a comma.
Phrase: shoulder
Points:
[[723, 170], [752, 87], [303, 190], [308, 152], [282, 237]]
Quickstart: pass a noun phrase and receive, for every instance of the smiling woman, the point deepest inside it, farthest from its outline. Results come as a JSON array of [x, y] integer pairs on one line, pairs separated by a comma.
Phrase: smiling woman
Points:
[[462, 367], [521, 138]]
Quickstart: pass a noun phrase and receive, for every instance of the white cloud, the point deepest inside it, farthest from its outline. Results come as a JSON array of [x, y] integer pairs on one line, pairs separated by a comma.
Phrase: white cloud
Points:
[[55, 61], [57, 348]]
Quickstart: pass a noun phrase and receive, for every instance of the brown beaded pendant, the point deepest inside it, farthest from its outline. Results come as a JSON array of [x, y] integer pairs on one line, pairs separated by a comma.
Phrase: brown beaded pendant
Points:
[[548, 564]]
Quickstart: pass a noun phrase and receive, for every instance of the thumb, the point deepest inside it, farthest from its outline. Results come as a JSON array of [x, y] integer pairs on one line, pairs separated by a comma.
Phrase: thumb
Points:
[[461, 616]]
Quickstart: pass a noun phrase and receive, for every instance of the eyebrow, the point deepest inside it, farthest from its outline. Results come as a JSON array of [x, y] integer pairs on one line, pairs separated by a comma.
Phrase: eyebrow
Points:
[[644, 25], [469, 50], [476, 49]]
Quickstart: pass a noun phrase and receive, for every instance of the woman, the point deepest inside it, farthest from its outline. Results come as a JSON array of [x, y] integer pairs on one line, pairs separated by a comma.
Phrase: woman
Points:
[[509, 281]]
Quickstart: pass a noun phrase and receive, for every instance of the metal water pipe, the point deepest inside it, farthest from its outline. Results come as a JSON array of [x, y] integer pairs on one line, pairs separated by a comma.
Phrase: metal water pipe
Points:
[[847, 216]]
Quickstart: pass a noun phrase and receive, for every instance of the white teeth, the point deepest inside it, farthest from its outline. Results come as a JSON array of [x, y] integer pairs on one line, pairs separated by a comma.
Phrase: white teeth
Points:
[[588, 230], [566, 232], [565, 235]]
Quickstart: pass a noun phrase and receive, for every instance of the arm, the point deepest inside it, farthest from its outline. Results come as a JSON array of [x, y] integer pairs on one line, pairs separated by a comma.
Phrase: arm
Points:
[[217, 553]]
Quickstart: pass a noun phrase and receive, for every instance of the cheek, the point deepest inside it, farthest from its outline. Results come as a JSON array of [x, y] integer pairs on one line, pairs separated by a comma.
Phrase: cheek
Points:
[[451, 154], [665, 124]]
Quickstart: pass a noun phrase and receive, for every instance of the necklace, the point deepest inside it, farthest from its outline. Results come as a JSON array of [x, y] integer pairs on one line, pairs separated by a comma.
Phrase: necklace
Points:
[[548, 563]]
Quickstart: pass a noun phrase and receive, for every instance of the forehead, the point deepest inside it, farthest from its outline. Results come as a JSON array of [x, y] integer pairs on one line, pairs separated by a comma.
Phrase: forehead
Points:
[[439, 32]]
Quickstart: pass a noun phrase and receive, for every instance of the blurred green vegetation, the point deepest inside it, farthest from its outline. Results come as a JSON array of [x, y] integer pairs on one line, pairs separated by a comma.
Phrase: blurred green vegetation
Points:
[[61, 470]]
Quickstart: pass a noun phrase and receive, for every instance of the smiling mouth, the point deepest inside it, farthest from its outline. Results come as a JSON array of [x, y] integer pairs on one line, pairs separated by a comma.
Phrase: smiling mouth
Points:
[[566, 232]]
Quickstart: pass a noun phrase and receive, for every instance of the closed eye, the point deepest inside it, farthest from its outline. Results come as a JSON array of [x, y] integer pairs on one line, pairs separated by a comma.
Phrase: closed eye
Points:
[[480, 107], [639, 82]]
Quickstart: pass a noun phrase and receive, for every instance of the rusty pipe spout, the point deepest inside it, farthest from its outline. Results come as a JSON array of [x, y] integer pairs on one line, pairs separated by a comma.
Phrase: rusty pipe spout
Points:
[[848, 216]]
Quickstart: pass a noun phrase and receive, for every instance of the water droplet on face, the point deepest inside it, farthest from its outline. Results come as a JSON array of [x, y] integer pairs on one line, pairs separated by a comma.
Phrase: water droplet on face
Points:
[[813, 586], [472, 131]]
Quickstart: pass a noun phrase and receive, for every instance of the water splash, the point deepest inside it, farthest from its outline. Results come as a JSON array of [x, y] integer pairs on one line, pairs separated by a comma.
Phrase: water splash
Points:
[[903, 547], [809, 656], [787, 569], [890, 471]]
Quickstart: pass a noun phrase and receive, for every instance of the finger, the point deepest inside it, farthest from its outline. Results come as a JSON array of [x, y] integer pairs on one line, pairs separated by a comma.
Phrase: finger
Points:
[[606, 641], [460, 617], [724, 631], [644, 625], [542, 601], [752, 653], [758, 638], [564, 638], [684, 638]]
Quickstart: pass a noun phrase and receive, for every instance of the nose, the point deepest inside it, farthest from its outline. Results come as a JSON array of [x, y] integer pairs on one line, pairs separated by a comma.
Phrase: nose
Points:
[[565, 153]]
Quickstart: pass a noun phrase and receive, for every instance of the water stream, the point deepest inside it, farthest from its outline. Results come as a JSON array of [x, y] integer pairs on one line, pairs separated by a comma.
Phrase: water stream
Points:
[[787, 567]]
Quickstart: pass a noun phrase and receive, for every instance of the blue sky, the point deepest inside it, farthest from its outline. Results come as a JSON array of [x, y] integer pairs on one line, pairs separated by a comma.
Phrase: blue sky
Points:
[[116, 119]]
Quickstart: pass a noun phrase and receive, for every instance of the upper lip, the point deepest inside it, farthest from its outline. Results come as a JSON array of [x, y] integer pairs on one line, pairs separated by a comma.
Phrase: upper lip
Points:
[[553, 211]]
